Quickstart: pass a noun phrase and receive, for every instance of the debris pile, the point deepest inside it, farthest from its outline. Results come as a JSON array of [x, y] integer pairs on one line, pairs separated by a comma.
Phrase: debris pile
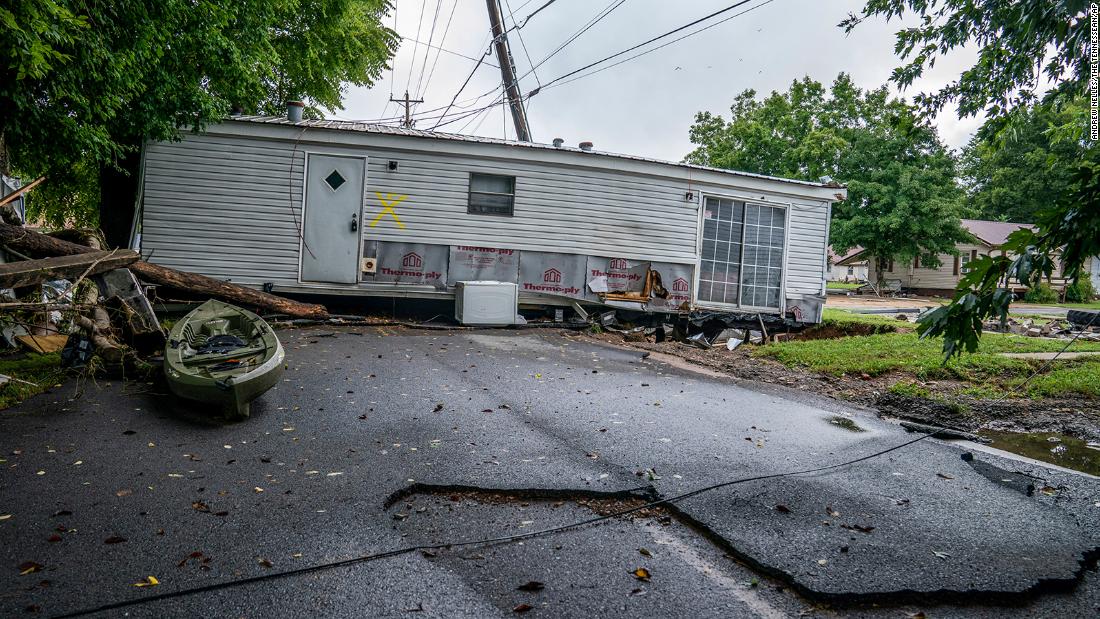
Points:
[[64, 292], [1078, 324]]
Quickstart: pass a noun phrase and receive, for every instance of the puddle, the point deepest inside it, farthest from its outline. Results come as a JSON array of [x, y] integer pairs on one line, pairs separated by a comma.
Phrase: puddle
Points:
[[1072, 453]]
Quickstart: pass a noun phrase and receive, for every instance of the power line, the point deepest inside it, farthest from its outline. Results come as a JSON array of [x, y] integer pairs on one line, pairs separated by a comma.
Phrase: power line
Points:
[[448, 51], [592, 22], [442, 40], [643, 44], [393, 62], [519, 33], [427, 52], [489, 51], [419, 25], [651, 50], [464, 84]]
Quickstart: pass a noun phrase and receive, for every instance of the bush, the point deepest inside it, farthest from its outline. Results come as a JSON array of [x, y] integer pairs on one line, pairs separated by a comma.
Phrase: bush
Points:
[[1081, 292], [1042, 293]]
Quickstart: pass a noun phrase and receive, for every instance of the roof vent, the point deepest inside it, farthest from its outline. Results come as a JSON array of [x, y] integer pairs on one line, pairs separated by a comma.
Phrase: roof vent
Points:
[[294, 111], [586, 146], [558, 142]]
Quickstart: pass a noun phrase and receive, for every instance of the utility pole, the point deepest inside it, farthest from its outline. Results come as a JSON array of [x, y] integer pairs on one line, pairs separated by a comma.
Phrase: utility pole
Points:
[[508, 72], [408, 102]]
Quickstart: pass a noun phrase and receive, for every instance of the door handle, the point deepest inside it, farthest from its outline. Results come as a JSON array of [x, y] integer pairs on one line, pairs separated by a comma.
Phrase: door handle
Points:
[[354, 222]]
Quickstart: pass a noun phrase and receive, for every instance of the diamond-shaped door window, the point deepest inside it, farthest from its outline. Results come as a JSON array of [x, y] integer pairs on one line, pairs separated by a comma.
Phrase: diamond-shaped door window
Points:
[[335, 180]]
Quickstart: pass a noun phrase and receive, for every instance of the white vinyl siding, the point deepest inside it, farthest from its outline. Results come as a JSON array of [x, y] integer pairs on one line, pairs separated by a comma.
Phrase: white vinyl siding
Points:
[[227, 203]]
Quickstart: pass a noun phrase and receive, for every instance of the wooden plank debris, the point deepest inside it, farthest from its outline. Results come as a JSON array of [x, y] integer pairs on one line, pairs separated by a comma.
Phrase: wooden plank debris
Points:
[[31, 272]]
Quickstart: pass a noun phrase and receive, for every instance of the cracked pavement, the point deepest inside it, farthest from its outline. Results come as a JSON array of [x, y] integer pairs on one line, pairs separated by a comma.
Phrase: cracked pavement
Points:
[[546, 418]]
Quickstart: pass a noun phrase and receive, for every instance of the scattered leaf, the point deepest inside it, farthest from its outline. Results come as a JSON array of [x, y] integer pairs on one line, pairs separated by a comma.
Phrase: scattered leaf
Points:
[[531, 585], [265, 563], [1048, 490], [5, 516], [942, 476], [783, 509], [54, 538], [641, 574], [438, 407], [522, 608], [427, 554], [114, 539], [150, 581], [257, 489], [856, 527], [62, 512], [28, 567], [129, 432], [126, 492], [199, 506], [940, 554], [645, 552]]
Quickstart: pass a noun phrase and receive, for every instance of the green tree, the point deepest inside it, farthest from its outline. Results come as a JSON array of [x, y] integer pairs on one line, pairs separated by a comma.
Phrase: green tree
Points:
[[903, 200], [1014, 172], [89, 83], [1019, 44]]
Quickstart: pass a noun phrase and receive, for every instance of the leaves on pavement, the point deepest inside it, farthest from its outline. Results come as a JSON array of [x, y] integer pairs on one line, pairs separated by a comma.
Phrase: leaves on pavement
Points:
[[531, 585], [641, 574], [150, 581]]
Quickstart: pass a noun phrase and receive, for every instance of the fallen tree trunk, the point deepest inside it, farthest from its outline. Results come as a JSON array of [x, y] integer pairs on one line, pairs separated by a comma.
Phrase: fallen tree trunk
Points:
[[40, 245], [30, 272]]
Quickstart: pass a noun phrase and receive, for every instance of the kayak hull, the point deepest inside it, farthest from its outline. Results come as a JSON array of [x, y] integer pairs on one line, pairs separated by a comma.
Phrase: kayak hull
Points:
[[223, 356]]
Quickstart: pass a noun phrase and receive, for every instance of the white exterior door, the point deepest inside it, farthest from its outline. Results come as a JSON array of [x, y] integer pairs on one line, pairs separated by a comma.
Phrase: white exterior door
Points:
[[332, 223]]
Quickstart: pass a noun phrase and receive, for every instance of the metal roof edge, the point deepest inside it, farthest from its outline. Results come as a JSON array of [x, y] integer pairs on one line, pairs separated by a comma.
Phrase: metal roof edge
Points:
[[363, 127]]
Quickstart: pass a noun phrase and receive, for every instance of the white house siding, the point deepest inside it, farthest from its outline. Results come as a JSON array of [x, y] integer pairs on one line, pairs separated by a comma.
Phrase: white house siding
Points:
[[223, 207], [228, 203], [942, 277]]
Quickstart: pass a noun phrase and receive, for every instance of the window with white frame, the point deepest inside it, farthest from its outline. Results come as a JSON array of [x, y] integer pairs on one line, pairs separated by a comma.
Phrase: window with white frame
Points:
[[742, 253]]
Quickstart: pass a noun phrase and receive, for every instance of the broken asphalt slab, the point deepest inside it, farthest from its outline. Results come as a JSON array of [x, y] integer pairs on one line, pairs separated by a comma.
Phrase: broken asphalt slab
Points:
[[306, 479]]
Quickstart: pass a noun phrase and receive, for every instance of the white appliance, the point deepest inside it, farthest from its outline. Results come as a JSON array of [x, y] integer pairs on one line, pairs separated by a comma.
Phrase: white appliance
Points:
[[485, 303]]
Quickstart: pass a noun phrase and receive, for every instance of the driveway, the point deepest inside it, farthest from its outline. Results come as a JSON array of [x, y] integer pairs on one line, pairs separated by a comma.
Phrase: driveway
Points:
[[380, 439]]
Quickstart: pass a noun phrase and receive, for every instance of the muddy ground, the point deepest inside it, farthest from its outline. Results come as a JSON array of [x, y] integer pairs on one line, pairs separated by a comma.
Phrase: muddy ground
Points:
[[1074, 416]]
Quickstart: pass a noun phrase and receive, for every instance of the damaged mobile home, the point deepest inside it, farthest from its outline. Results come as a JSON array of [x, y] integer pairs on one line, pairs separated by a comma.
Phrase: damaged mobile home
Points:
[[335, 207]]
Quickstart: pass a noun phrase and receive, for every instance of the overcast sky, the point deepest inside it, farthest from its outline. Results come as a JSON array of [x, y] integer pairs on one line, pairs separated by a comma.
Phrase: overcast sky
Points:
[[645, 106]]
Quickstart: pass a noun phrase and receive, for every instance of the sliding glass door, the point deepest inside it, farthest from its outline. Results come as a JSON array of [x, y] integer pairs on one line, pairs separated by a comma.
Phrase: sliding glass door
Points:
[[742, 253]]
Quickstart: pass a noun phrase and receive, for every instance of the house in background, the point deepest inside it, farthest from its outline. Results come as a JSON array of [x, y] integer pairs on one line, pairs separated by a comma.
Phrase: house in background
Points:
[[851, 266], [921, 278]]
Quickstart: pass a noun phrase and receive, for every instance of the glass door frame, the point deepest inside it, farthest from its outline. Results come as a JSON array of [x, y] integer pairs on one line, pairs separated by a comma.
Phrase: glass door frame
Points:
[[760, 201]]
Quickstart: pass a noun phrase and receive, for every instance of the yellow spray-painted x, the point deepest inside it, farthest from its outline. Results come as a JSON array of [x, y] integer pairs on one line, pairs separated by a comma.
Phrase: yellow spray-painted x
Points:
[[388, 202]]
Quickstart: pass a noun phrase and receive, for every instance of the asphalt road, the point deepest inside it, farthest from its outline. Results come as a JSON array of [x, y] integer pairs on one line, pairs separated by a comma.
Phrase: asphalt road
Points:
[[381, 438]]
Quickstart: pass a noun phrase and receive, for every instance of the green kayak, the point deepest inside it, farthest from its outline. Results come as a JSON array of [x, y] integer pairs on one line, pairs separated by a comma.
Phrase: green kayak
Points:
[[224, 355]]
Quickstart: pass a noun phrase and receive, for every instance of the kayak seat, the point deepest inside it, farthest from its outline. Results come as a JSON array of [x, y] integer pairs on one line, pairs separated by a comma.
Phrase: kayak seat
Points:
[[220, 344]]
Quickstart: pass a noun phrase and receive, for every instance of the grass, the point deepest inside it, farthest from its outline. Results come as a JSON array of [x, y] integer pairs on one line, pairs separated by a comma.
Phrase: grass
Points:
[[44, 370], [906, 352], [841, 318], [842, 285], [1089, 305], [1081, 377]]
